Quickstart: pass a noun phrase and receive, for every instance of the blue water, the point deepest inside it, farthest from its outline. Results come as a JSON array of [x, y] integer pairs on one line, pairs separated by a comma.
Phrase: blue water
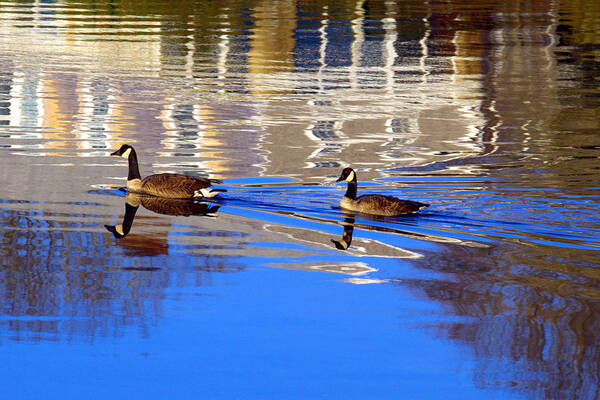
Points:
[[256, 334]]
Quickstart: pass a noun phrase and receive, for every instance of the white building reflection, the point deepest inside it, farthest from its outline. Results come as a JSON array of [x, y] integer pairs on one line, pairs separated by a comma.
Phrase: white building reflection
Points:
[[281, 95], [21, 106]]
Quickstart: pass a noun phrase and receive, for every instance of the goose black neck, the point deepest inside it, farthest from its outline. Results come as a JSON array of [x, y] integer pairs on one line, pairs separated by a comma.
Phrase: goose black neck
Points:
[[351, 190], [134, 171]]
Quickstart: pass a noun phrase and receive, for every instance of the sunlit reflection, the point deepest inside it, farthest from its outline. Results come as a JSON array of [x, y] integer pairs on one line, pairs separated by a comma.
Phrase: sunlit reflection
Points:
[[365, 281]]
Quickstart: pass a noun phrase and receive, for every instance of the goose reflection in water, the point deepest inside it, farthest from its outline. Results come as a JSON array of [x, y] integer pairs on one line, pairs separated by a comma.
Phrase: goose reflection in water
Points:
[[177, 207], [368, 243], [346, 235]]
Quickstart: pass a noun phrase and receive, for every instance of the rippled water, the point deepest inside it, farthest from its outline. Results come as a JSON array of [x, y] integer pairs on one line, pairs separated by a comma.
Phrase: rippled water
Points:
[[487, 112]]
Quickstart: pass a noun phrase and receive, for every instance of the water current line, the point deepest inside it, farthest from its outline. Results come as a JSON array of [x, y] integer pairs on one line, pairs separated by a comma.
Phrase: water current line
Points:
[[389, 51], [322, 48], [359, 38], [189, 56], [424, 50]]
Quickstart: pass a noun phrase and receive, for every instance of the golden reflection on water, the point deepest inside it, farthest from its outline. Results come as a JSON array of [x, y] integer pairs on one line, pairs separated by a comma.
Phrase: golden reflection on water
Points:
[[450, 120]]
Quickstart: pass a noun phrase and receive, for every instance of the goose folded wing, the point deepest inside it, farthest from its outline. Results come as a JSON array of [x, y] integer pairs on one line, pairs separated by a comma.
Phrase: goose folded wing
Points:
[[174, 185]]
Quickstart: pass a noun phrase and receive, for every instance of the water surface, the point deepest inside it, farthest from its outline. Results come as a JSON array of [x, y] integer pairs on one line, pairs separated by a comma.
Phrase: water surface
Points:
[[488, 112]]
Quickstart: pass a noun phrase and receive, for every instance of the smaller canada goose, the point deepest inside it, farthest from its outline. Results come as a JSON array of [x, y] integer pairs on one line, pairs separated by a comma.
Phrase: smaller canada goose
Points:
[[171, 186], [375, 204]]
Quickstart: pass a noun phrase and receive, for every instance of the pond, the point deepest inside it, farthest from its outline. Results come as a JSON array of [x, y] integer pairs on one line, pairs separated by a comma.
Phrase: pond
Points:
[[488, 112]]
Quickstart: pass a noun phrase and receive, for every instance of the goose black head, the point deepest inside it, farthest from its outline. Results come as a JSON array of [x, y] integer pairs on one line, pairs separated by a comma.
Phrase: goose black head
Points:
[[348, 175], [123, 151]]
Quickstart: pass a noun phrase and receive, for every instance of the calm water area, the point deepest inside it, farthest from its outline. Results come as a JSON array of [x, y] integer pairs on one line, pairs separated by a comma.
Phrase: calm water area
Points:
[[489, 111]]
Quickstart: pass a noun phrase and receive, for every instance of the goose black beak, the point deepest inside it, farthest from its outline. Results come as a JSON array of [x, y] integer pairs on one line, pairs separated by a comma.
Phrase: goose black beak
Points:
[[340, 179], [116, 153]]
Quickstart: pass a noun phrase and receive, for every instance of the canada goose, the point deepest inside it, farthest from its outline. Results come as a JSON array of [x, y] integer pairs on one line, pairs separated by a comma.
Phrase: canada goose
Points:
[[158, 205], [171, 186], [375, 204]]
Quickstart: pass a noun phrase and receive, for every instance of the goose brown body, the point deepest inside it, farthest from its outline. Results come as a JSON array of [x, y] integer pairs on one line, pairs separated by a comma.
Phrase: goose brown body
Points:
[[375, 204], [171, 186]]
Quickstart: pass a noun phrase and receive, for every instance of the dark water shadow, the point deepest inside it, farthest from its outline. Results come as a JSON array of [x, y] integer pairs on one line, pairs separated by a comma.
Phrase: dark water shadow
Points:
[[532, 314]]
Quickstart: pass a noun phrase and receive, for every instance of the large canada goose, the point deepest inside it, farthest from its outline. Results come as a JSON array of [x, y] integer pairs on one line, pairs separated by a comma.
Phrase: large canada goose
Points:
[[171, 186], [375, 204]]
